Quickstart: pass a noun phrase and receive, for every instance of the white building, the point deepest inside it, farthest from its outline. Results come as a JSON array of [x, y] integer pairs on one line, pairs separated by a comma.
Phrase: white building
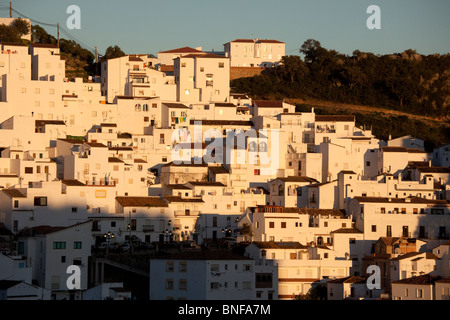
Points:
[[20, 290], [51, 250], [202, 275], [300, 267], [254, 52], [420, 288]]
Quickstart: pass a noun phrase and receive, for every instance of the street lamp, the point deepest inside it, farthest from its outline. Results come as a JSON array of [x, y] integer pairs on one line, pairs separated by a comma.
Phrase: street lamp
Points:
[[108, 236]]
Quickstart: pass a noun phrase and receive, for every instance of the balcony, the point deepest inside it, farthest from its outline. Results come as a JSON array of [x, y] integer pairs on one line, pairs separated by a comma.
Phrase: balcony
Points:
[[101, 183], [186, 213]]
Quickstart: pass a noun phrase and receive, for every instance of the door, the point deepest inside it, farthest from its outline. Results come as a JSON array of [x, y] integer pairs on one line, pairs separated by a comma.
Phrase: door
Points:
[[405, 232]]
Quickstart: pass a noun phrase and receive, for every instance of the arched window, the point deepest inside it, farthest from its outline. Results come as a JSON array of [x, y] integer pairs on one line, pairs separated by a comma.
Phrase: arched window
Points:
[[262, 147], [145, 107], [137, 107], [320, 240], [252, 146], [281, 190]]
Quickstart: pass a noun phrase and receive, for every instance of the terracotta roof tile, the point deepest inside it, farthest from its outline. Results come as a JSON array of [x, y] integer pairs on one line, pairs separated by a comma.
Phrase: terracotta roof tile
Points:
[[182, 50], [332, 118], [278, 245], [14, 193], [425, 279], [141, 202]]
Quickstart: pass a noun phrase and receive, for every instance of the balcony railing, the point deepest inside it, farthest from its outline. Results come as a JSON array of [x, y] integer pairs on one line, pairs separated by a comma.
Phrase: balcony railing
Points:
[[148, 228], [101, 183], [186, 213]]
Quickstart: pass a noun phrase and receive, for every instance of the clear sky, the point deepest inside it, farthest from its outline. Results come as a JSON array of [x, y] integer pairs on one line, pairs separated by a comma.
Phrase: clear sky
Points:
[[149, 26]]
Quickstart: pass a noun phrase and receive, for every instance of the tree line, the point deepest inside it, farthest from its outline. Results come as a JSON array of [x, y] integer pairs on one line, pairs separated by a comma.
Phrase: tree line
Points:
[[407, 81]]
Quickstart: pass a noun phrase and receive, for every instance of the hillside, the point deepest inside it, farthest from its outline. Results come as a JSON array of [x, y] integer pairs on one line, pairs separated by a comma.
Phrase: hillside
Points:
[[406, 82], [384, 122]]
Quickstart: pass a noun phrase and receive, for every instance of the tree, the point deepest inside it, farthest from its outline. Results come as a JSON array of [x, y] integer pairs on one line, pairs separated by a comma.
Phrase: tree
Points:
[[39, 35], [317, 292], [8, 34], [22, 26], [311, 49], [113, 52], [246, 230]]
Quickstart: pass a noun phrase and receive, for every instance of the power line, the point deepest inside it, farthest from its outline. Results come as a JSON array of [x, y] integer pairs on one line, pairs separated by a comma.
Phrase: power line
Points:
[[64, 31]]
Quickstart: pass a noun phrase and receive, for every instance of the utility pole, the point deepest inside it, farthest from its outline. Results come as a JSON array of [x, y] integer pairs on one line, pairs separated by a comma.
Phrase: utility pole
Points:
[[10, 9], [57, 26]]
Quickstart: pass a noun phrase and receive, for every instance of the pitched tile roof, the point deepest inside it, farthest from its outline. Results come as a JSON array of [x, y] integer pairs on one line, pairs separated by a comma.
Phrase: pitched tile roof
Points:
[[279, 245], [297, 179], [6, 284], [425, 279], [114, 159], [174, 105], [434, 169], [182, 50], [180, 199], [141, 202], [401, 200], [255, 40], [206, 183], [72, 182], [48, 122], [337, 117], [350, 279], [427, 255], [95, 144], [218, 169], [347, 230], [14, 193], [177, 186], [268, 103], [222, 122], [203, 55], [401, 149]]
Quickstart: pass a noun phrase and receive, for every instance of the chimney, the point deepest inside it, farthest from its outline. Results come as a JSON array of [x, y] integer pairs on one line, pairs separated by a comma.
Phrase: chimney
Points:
[[263, 257]]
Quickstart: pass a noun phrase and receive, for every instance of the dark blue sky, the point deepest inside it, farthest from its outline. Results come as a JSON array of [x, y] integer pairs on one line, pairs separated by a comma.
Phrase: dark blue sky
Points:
[[149, 26]]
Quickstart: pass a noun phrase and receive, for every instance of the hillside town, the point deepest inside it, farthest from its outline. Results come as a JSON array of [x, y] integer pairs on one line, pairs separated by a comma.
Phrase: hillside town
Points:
[[156, 181]]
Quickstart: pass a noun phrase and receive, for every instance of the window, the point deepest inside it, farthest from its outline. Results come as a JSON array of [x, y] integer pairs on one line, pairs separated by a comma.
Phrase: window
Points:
[[55, 282], [419, 293], [214, 285], [40, 201], [215, 267], [383, 210], [183, 267], [169, 266], [374, 228], [221, 65], [74, 209], [256, 172], [77, 244], [283, 224], [16, 203], [28, 170], [169, 284], [272, 224], [59, 245], [367, 163], [182, 284], [293, 256]]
